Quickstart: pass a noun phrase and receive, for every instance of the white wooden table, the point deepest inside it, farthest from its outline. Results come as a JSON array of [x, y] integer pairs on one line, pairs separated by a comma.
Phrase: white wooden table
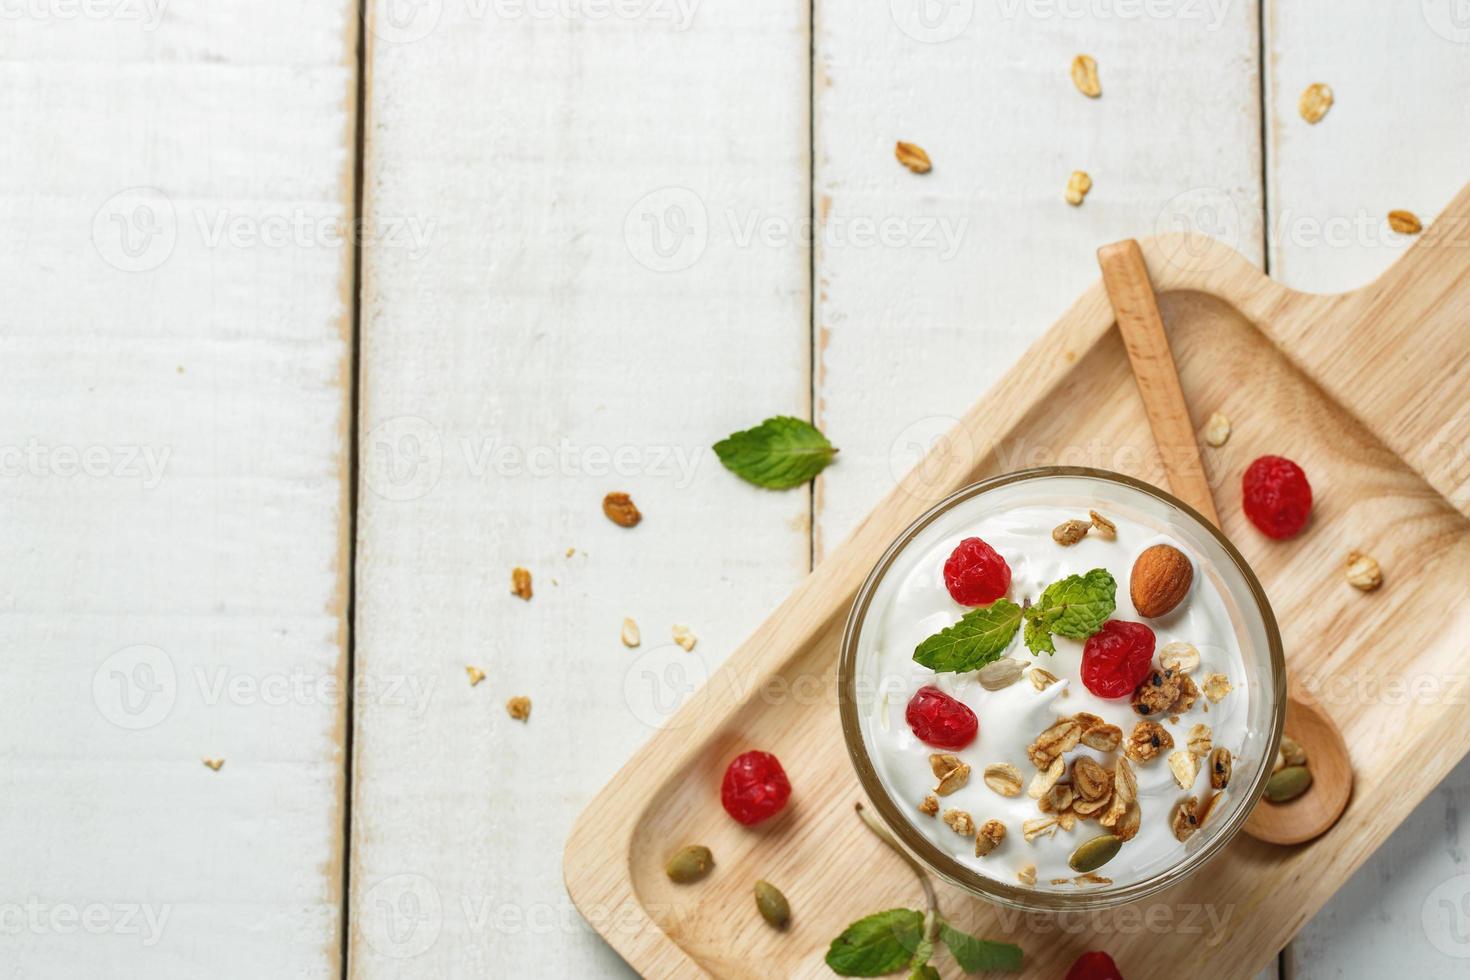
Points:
[[595, 236]]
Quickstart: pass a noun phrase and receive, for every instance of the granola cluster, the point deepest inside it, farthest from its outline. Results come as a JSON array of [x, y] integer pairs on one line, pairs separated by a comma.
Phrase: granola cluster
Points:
[[1165, 691]]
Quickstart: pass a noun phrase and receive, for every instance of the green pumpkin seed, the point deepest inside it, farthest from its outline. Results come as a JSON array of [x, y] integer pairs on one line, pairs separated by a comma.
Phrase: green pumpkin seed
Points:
[[772, 904], [689, 864], [1288, 784], [1093, 854]]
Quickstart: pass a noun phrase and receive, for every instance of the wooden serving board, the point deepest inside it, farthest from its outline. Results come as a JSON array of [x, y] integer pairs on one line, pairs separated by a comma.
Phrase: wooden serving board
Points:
[[1367, 390]]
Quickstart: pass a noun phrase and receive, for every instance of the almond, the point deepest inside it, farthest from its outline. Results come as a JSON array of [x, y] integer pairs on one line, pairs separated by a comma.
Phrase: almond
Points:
[[1161, 579]]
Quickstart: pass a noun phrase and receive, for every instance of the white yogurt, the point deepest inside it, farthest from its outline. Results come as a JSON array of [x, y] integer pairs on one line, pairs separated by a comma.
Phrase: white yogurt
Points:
[[915, 604]]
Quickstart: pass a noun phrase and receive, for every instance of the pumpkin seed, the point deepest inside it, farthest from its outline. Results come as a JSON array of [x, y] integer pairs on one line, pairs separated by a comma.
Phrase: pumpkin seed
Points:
[[1093, 854], [1288, 784], [772, 904], [1001, 674], [689, 864]]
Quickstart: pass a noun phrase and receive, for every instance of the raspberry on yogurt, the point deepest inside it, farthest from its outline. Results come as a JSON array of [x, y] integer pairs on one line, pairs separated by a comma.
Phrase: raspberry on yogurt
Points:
[[976, 574], [939, 720], [1117, 658]]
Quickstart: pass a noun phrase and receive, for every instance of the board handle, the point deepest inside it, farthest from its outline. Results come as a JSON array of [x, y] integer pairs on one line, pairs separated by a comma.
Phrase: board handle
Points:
[[1125, 276]]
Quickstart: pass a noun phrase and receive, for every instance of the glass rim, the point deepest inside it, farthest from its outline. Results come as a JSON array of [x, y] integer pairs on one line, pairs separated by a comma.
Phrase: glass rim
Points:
[[945, 865]]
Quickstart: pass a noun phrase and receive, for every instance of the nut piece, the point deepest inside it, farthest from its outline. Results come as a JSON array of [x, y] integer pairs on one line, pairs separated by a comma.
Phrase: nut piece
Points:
[[520, 582], [1292, 752], [1315, 101], [1185, 767], [913, 157], [685, 638], [1093, 854], [1288, 784], [1217, 430], [960, 822], [1004, 778], [950, 771], [519, 707], [1207, 808], [1147, 740], [1090, 780], [1185, 820], [214, 764], [1215, 686], [476, 675], [1199, 741], [1405, 222], [619, 508], [1105, 528], [989, 837], [1070, 532], [1027, 874], [1001, 674], [1161, 579], [1220, 768], [631, 636], [930, 806], [1179, 656], [1104, 738], [1363, 572], [772, 905], [689, 864], [1077, 187], [1084, 76]]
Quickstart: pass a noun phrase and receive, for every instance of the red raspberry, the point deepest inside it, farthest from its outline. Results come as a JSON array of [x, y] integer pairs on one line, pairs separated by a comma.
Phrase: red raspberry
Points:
[[1094, 966], [976, 574], [939, 720], [1117, 658], [1278, 497], [755, 787]]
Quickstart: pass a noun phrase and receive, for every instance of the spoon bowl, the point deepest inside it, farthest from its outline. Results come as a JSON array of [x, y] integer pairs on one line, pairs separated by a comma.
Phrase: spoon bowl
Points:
[[1311, 814]]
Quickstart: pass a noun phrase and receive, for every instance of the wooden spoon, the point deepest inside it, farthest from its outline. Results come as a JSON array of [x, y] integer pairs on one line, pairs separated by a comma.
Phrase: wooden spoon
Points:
[[1126, 277]]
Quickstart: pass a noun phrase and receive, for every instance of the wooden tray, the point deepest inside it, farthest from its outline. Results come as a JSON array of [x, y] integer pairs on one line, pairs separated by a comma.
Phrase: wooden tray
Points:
[[1367, 390]]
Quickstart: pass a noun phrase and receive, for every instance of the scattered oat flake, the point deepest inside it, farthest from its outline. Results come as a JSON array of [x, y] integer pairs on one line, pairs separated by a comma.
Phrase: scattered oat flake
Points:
[[519, 707], [631, 636], [620, 509], [520, 582], [476, 674], [1041, 678], [215, 764], [1315, 101], [571, 552], [1405, 222], [1105, 528], [1084, 76], [685, 638], [1027, 874], [913, 157], [1363, 572], [1216, 686], [1217, 429], [1077, 187]]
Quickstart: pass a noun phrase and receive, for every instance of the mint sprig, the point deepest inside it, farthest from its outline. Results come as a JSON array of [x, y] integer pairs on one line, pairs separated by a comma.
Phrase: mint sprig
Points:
[[887, 942], [780, 453], [980, 636], [1074, 607]]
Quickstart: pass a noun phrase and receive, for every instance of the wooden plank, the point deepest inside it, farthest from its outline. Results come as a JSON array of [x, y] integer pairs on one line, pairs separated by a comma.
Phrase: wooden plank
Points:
[[986, 252], [617, 277], [176, 338], [1394, 70]]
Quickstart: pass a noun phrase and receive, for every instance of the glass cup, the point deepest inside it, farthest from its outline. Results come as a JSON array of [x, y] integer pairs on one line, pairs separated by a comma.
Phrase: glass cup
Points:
[[1120, 498]]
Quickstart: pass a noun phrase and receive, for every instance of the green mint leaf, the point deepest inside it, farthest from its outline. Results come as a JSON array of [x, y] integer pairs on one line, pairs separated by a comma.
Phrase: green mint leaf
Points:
[[1078, 605], [976, 955], [1038, 638], [980, 636], [879, 944], [780, 453]]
